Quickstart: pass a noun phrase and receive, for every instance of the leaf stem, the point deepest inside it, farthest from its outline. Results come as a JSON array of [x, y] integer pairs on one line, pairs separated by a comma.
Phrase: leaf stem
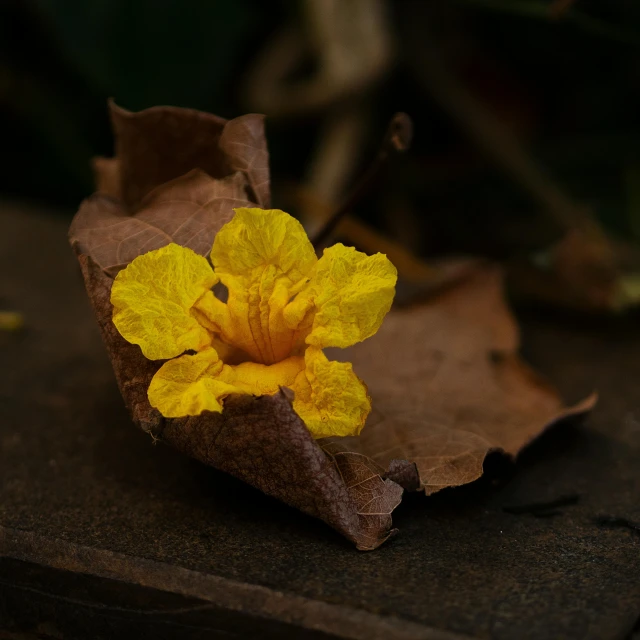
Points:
[[396, 140]]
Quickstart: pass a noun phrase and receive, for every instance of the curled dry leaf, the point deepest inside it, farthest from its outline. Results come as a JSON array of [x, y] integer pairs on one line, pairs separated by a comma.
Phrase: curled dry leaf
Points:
[[375, 498], [245, 144], [176, 177], [261, 441], [160, 144], [448, 387], [188, 210]]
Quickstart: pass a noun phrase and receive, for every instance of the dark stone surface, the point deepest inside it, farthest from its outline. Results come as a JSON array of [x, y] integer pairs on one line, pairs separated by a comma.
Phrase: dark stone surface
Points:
[[99, 515], [60, 604]]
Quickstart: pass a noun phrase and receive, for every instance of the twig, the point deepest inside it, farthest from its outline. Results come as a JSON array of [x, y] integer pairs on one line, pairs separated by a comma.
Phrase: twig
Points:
[[410, 268], [336, 156], [397, 140]]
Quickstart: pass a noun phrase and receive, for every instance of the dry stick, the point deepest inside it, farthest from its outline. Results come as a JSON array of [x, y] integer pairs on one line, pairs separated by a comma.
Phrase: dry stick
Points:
[[330, 172], [396, 140]]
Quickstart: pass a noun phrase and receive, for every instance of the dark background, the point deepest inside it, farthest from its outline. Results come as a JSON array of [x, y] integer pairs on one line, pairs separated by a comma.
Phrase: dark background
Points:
[[561, 79]]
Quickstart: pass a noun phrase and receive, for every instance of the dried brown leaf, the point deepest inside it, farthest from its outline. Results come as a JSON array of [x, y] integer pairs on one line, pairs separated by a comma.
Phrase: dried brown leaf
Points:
[[103, 230], [188, 210], [375, 497], [160, 144], [244, 142], [193, 208], [448, 387], [261, 441]]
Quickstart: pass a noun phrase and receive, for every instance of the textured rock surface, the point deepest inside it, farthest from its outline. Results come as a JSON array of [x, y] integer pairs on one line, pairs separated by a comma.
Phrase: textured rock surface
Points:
[[116, 532]]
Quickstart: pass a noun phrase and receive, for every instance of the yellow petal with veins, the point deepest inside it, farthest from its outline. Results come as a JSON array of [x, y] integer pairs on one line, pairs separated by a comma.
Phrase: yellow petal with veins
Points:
[[152, 300], [256, 238], [329, 397], [188, 385], [350, 292], [191, 384]]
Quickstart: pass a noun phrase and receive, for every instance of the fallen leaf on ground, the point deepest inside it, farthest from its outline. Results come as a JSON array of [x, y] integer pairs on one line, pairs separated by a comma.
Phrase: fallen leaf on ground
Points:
[[445, 379], [181, 173], [260, 440], [448, 387], [375, 497]]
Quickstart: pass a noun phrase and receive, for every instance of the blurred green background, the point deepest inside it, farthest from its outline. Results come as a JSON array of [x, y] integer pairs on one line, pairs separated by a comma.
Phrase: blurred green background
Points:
[[559, 79]]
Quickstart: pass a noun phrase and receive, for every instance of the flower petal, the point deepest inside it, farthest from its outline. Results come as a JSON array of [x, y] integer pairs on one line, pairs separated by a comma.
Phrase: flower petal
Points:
[[188, 385], [153, 298], [329, 397], [264, 258], [351, 293], [256, 238], [191, 384], [262, 379]]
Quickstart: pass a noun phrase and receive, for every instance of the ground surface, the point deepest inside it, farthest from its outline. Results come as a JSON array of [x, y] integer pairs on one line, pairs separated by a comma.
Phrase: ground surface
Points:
[[104, 534]]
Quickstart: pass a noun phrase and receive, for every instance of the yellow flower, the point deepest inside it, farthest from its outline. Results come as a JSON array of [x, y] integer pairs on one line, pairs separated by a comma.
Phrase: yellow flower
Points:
[[284, 306]]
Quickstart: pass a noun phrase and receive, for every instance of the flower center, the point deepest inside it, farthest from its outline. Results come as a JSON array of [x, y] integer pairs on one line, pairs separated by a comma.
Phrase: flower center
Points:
[[257, 324]]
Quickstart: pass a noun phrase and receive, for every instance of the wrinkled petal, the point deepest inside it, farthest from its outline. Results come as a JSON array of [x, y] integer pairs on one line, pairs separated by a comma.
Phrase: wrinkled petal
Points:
[[329, 397], [188, 385], [261, 379], [191, 384], [255, 238], [153, 299], [350, 292], [264, 258]]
